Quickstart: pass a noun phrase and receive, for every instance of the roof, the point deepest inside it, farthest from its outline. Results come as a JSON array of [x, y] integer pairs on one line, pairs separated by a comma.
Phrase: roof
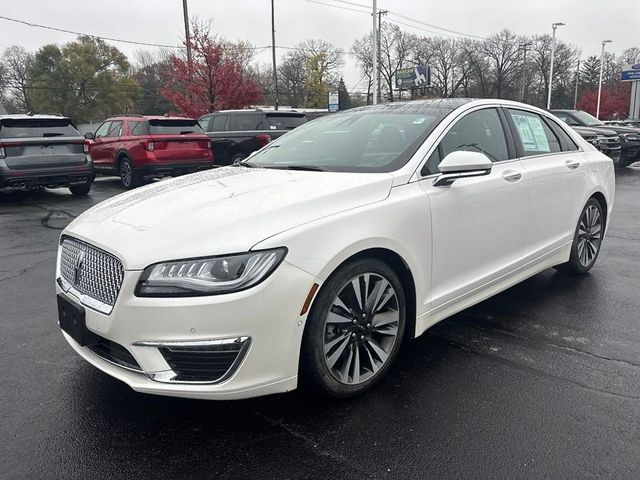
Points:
[[20, 116], [147, 117]]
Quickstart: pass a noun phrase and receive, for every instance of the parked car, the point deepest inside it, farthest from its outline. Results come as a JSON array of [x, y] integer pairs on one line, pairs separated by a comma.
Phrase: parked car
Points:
[[625, 123], [235, 134], [313, 261], [607, 141], [136, 147], [43, 151], [629, 137]]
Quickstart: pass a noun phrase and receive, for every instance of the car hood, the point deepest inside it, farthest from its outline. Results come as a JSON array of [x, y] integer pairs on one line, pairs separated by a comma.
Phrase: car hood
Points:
[[221, 211], [596, 131], [614, 128]]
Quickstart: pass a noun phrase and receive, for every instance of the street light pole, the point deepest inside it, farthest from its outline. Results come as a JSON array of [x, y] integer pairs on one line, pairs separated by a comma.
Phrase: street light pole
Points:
[[604, 42], [380, 14], [525, 47], [553, 53], [575, 96], [187, 35], [273, 57], [374, 74]]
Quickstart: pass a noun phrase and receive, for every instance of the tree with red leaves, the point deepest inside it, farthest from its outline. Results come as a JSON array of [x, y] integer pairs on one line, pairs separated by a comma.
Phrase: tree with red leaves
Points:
[[215, 80], [614, 101]]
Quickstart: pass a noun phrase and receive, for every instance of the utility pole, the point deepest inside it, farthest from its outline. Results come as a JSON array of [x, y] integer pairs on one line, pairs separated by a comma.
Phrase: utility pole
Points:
[[575, 95], [553, 53], [187, 35], [374, 73], [380, 14], [524, 47], [604, 42], [273, 56]]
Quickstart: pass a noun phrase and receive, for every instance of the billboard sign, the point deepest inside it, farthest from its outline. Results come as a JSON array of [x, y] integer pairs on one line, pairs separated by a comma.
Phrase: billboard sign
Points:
[[630, 73], [334, 101], [413, 77]]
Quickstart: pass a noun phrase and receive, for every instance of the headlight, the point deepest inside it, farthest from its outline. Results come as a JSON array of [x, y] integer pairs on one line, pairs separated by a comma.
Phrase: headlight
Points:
[[632, 137], [209, 276]]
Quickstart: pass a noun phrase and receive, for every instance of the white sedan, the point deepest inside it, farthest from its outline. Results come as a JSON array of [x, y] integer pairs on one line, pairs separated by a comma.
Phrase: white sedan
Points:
[[315, 259]]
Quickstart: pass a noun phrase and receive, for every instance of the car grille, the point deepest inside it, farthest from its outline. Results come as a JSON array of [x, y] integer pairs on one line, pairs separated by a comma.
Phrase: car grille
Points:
[[212, 363], [115, 353], [612, 141], [91, 271]]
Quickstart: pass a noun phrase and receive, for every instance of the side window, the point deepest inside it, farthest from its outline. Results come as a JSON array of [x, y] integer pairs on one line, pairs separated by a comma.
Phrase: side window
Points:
[[218, 123], [244, 121], [479, 131], [103, 129], [115, 130], [534, 135], [140, 128], [566, 142]]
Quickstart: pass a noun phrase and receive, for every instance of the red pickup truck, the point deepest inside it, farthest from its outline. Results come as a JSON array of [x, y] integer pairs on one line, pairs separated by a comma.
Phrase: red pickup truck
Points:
[[136, 147]]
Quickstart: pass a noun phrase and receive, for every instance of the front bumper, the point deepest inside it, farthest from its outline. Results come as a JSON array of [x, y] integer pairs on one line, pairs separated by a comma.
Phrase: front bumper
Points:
[[267, 316]]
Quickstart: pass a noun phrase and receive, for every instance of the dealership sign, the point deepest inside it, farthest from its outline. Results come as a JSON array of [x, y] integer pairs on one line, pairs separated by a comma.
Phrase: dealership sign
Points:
[[630, 73], [334, 101], [413, 77]]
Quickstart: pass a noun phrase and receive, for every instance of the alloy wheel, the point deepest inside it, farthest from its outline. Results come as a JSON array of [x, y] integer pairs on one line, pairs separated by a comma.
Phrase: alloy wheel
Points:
[[589, 235], [125, 173], [361, 328]]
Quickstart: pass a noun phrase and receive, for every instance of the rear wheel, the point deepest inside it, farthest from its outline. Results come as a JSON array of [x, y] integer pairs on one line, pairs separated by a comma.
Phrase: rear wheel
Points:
[[355, 329], [587, 239], [128, 176], [80, 190]]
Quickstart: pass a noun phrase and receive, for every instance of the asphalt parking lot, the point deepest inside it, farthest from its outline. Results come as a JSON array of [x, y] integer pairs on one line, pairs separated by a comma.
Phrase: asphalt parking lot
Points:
[[542, 381]]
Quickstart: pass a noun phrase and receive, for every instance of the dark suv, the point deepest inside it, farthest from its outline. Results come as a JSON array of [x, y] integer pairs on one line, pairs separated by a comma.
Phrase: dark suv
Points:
[[135, 147], [43, 151], [235, 134], [629, 137]]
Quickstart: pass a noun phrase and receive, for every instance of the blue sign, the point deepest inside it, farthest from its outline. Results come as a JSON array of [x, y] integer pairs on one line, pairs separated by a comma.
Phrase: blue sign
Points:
[[630, 73]]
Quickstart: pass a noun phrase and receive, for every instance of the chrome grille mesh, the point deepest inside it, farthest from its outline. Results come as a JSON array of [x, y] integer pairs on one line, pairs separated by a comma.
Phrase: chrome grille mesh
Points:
[[99, 275]]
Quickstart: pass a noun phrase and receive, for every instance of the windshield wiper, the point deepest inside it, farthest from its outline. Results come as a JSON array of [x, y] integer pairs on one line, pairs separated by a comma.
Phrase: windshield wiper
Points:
[[244, 163], [309, 168]]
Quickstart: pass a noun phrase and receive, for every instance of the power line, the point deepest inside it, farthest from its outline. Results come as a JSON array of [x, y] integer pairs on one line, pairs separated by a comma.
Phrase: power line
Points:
[[337, 6], [46, 27]]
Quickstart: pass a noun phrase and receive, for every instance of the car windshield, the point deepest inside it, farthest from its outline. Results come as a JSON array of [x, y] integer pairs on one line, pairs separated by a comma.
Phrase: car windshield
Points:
[[369, 139], [37, 127], [587, 119], [174, 126]]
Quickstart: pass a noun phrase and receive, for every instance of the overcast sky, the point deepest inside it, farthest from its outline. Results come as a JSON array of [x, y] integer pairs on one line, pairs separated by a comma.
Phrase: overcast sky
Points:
[[588, 22]]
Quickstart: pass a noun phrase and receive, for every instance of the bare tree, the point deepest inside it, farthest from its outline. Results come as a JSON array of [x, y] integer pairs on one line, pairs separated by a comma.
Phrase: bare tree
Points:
[[17, 60], [503, 55], [322, 64], [292, 77]]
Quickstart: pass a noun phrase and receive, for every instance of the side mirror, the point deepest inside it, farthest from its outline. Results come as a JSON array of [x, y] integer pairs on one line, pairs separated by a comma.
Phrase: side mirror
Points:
[[462, 164], [89, 136]]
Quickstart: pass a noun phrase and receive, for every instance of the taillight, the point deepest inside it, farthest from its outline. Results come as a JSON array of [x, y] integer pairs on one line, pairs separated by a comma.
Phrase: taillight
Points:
[[3, 153], [149, 146], [263, 139], [86, 148]]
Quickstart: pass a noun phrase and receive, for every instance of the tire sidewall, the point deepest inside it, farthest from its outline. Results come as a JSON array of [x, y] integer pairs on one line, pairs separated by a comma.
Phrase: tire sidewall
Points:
[[314, 366], [574, 261]]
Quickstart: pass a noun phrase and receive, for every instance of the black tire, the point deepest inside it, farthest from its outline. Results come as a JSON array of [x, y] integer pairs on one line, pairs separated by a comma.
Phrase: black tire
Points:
[[81, 190], [129, 177], [624, 163], [238, 157], [585, 237], [315, 371]]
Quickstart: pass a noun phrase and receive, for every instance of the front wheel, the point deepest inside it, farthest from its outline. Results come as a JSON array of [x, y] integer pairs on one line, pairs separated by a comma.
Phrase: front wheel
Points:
[[587, 239], [237, 158], [354, 329]]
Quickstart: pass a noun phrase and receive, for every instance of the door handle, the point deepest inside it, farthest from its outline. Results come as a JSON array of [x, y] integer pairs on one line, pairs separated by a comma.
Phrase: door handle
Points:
[[512, 176], [572, 164]]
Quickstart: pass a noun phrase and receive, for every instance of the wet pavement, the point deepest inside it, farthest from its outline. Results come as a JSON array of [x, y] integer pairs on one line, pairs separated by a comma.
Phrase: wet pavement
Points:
[[541, 381]]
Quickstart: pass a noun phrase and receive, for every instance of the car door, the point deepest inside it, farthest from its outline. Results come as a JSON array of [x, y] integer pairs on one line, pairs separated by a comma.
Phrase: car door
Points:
[[555, 180], [99, 147], [219, 140], [477, 222]]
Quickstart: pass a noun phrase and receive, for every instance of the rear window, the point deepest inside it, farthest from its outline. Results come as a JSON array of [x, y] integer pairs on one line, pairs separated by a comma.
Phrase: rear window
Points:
[[284, 122], [242, 122], [174, 126], [37, 127]]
